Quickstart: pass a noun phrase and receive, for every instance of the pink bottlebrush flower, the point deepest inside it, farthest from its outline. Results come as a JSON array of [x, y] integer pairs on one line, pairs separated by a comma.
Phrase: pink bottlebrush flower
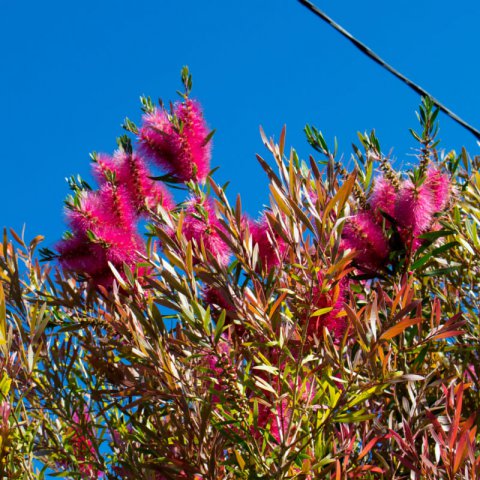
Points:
[[278, 416], [121, 246], [102, 212], [218, 300], [179, 149], [104, 230], [81, 255], [104, 167], [271, 247], [116, 201], [383, 199], [330, 296], [414, 207], [83, 448], [217, 364], [131, 171], [201, 225], [362, 234], [439, 185], [88, 213], [78, 254], [108, 216], [216, 297]]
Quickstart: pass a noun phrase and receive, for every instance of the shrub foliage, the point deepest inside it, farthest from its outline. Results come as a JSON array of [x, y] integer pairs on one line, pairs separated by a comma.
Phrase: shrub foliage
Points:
[[336, 336]]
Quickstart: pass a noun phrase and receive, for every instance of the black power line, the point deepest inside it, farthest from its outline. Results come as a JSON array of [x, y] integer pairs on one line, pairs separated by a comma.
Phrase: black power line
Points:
[[371, 54]]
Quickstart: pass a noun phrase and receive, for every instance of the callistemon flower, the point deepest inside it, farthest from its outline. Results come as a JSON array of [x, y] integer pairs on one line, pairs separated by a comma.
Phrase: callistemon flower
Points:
[[362, 234], [201, 225], [115, 201], [271, 247], [83, 255], [78, 254], [327, 296], [278, 416], [217, 298], [220, 367], [83, 448], [383, 199], [439, 185], [131, 172], [179, 144], [414, 207], [106, 214], [103, 231]]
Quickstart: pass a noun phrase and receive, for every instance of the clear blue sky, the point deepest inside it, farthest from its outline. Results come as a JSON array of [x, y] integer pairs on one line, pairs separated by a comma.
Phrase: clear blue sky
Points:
[[71, 71]]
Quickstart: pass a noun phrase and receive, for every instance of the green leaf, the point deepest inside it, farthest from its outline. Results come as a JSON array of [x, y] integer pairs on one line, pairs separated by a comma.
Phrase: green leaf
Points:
[[423, 260], [354, 417], [208, 137], [440, 271], [219, 325]]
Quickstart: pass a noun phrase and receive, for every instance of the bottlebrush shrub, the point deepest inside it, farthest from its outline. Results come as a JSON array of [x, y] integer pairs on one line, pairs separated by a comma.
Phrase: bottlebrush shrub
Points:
[[336, 337]]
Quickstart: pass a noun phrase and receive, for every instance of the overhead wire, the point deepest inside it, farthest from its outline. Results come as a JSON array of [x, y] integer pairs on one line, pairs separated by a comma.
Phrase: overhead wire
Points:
[[377, 59]]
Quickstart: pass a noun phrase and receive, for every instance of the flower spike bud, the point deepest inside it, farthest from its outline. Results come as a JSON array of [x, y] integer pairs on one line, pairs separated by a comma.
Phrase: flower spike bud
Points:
[[363, 235], [201, 225]]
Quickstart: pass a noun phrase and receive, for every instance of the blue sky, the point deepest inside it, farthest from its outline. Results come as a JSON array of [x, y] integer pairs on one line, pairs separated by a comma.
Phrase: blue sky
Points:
[[71, 72]]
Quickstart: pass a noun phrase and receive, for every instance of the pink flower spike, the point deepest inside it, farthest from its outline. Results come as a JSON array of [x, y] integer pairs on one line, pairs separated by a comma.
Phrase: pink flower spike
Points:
[[131, 172], [439, 185], [79, 255], [383, 199], [331, 296], [217, 363], [88, 213], [83, 448], [271, 247], [137, 177], [414, 207], [278, 417], [116, 200], [105, 167], [362, 234], [216, 298], [201, 225], [121, 246], [179, 149], [195, 131], [103, 211]]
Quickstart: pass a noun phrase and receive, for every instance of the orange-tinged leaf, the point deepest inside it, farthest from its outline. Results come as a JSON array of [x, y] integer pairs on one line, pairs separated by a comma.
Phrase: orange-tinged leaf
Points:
[[17, 237], [340, 197], [278, 302], [448, 334], [460, 452], [240, 460], [281, 143], [399, 328], [456, 418], [368, 447]]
